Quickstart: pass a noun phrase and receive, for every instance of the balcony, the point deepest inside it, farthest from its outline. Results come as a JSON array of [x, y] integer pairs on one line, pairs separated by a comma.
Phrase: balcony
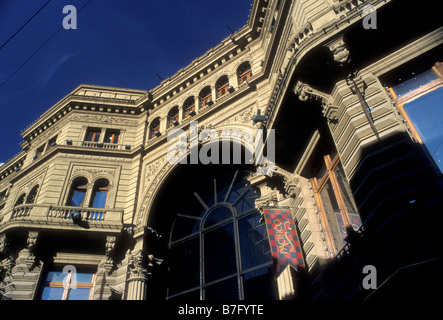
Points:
[[42, 214], [101, 145]]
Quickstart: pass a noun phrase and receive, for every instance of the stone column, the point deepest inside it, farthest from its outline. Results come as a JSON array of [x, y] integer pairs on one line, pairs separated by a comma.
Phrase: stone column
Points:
[[141, 266]]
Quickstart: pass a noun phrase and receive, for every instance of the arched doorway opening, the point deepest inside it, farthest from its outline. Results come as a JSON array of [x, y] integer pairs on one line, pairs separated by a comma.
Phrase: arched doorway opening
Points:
[[214, 242]]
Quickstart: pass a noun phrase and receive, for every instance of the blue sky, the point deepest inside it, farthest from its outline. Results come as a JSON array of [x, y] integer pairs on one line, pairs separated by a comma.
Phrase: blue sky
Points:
[[117, 43]]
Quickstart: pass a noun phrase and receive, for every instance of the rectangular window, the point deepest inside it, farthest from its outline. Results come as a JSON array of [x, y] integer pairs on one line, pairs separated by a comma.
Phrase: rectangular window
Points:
[[420, 102], [112, 136], [336, 204], [52, 142], [93, 135], [70, 285], [39, 152]]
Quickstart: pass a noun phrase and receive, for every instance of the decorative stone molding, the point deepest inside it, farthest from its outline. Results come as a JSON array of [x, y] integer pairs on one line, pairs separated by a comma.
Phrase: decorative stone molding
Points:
[[244, 116], [142, 213], [305, 92], [6, 256], [141, 265], [104, 119], [339, 51], [110, 249], [31, 243]]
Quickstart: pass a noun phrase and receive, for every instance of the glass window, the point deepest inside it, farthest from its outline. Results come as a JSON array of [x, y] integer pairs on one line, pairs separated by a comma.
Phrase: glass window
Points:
[[205, 96], [420, 102], [336, 204], [112, 136], [244, 72], [154, 128], [32, 194], [219, 253], [20, 200], [71, 285], [100, 193], [215, 252], [92, 135], [173, 117], [222, 86], [426, 114], [189, 107], [78, 192]]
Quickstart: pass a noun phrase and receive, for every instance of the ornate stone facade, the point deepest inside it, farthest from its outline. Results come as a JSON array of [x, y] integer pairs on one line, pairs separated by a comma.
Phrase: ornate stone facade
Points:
[[96, 191]]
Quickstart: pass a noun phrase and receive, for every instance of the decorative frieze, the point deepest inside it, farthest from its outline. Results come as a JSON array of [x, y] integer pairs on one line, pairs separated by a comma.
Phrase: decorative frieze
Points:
[[104, 119]]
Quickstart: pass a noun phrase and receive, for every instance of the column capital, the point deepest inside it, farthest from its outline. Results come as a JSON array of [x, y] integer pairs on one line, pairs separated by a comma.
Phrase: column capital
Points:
[[141, 265]]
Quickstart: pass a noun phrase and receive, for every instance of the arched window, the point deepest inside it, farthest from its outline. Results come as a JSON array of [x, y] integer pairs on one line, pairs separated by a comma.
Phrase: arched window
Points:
[[100, 194], [189, 107], [219, 249], [222, 86], [20, 200], [154, 128], [32, 194], [78, 192], [205, 97], [244, 72], [173, 117]]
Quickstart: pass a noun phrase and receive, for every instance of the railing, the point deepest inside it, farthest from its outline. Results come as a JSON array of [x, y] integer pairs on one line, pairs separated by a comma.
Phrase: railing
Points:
[[101, 145], [63, 213], [21, 211]]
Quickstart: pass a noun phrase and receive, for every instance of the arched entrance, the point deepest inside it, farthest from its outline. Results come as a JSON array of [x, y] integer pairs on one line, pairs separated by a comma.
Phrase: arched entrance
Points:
[[214, 242]]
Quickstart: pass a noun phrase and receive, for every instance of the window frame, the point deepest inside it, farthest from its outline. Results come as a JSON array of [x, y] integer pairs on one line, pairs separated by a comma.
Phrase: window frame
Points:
[[202, 289], [112, 133], [96, 132], [415, 94], [67, 288], [318, 185]]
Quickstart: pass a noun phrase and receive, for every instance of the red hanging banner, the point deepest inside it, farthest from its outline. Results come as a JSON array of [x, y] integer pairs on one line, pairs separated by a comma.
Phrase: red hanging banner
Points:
[[283, 238]]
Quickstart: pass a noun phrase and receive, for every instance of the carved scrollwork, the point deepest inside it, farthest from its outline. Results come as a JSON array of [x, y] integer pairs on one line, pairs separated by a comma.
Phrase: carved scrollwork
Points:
[[306, 92], [142, 265]]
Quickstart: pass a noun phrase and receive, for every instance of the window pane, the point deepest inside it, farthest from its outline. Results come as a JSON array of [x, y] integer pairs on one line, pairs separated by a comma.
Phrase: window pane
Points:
[[345, 190], [415, 83], [56, 276], [79, 294], [426, 114], [52, 293], [217, 215], [219, 253], [254, 245], [84, 277], [99, 199], [224, 290], [328, 198], [77, 198], [333, 214], [184, 266], [259, 284]]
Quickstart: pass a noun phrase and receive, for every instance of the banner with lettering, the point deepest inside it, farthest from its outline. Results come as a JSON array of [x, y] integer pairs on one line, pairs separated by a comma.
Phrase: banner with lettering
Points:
[[283, 238]]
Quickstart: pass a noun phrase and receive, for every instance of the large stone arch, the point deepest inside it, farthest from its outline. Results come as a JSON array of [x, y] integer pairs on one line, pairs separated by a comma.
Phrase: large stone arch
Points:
[[161, 169]]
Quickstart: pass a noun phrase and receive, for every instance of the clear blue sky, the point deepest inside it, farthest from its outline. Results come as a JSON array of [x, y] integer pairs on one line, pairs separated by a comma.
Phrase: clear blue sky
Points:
[[118, 43]]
